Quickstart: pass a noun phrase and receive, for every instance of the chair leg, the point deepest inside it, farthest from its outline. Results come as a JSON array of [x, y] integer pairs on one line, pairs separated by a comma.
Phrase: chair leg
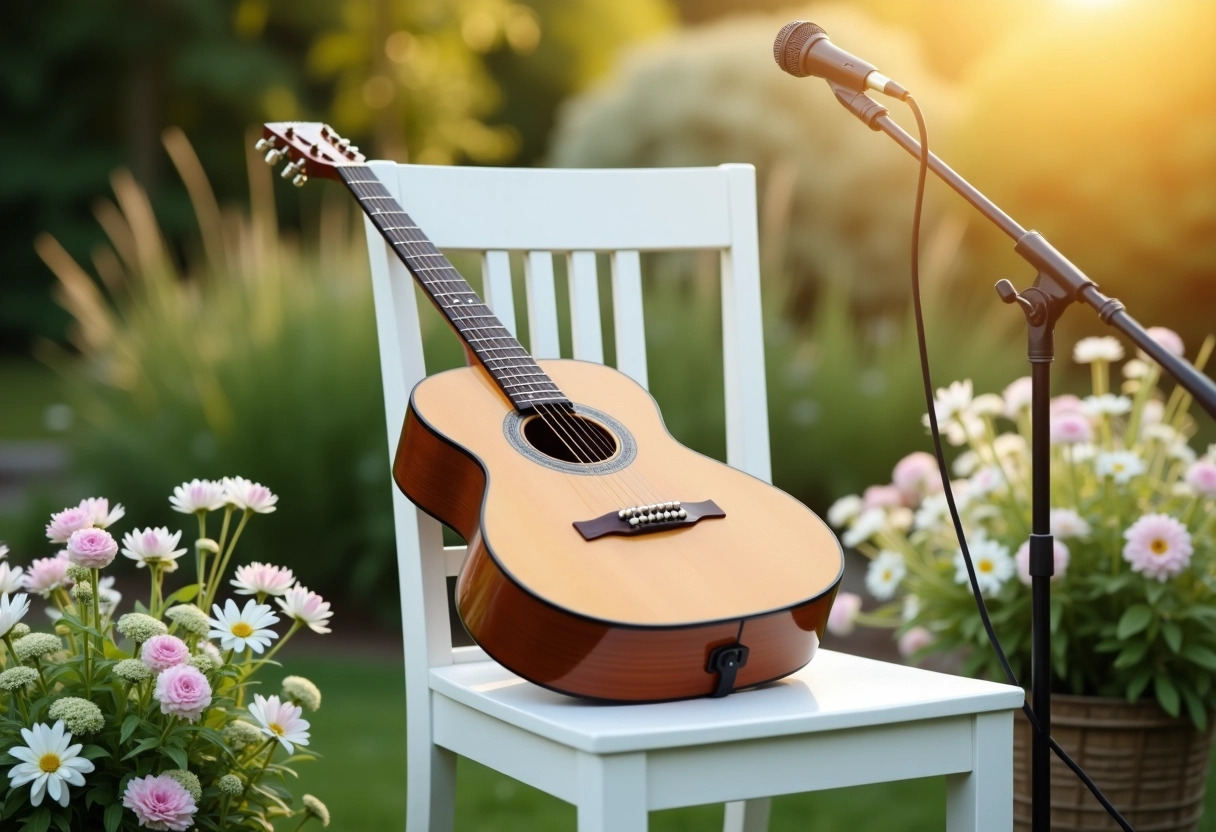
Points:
[[747, 815], [982, 799], [612, 793], [430, 802]]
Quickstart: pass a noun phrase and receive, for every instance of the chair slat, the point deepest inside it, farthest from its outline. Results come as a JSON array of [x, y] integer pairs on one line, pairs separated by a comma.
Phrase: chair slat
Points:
[[627, 315], [542, 305], [585, 307], [496, 277]]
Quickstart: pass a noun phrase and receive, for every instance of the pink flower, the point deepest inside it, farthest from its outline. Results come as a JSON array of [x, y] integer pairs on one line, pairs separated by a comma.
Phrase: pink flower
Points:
[[842, 620], [1202, 477], [160, 803], [100, 512], [92, 548], [1067, 403], [307, 607], [913, 641], [182, 691], [197, 495], [882, 496], [164, 652], [153, 547], [1060, 557], [916, 475], [1070, 428], [262, 578], [251, 496], [63, 523], [47, 574], [1166, 338], [1158, 546], [1017, 396]]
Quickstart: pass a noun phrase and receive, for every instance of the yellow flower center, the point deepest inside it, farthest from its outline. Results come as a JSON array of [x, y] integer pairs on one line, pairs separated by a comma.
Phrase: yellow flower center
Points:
[[277, 728], [886, 574], [985, 566], [1159, 546], [242, 630], [49, 762], [1118, 466]]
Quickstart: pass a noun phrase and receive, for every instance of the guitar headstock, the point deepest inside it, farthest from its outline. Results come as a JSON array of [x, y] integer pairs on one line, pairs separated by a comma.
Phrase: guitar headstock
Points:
[[310, 147]]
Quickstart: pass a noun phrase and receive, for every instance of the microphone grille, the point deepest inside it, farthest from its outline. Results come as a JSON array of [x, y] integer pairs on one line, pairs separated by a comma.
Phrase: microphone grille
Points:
[[787, 48]]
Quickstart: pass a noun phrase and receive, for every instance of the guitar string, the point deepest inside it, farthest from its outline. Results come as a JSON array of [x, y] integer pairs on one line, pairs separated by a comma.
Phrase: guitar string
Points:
[[546, 412], [559, 416]]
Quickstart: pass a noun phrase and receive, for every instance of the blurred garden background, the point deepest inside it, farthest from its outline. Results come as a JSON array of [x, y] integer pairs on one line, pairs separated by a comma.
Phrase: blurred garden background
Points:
[[168, 310]]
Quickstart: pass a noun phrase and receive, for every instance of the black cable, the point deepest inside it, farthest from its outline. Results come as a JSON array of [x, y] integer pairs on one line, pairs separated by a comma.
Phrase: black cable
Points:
[[945, 473]]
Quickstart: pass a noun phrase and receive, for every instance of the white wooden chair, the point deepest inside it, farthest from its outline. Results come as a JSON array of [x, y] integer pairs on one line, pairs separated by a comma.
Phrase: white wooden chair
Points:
[[841, 721]]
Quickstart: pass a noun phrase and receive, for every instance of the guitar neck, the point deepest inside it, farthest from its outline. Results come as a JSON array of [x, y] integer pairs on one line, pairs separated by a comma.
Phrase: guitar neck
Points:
[[493, 345]]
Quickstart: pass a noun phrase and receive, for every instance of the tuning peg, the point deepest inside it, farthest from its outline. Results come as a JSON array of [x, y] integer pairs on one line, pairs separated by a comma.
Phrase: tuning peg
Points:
[[273, 156], [299, 180], [291, 168], [263, 144]]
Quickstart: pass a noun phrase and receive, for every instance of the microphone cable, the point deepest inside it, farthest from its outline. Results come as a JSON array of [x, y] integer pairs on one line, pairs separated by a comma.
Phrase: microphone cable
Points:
[[945, 474]]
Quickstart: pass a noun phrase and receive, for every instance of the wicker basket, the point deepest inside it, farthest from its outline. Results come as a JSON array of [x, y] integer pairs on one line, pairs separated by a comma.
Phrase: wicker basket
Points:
[[1150, 766]]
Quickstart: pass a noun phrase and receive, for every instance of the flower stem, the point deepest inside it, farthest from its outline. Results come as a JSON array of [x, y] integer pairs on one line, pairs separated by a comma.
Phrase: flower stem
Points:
[[200, 559], [295, 626], [222, 563]]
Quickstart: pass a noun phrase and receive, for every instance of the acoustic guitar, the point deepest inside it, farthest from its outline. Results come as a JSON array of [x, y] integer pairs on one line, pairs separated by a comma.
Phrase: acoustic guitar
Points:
[[605, 559]]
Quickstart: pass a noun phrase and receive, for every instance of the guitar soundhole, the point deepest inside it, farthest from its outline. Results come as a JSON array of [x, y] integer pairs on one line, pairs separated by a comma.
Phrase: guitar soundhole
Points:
[[570, 438]]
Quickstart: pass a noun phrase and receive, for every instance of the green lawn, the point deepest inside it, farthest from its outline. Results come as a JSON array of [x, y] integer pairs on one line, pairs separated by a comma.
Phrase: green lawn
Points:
[[360, 731]]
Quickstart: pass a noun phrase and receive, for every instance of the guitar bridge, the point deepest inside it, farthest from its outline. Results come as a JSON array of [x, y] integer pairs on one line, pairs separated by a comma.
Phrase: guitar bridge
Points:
[[656, 517]]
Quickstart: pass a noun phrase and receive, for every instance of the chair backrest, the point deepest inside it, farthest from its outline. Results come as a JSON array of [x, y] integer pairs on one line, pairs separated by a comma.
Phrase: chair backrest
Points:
[[577, 214]]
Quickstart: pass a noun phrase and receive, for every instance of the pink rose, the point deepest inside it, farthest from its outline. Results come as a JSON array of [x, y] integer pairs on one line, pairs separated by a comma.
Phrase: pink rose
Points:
[[63, 523], [882, 496], [1202, 477], [183, 691], [160, 803], [917, 475], [913, 641], [842, 620], [1070, 428], [163, 652], [92, 548]]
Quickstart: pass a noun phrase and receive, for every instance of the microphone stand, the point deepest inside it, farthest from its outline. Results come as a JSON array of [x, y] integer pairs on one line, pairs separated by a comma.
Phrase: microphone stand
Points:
[[1057, 284]]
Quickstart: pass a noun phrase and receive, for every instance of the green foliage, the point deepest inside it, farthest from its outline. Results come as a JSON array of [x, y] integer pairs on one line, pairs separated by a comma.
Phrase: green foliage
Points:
[[257, 359], [835, 202]]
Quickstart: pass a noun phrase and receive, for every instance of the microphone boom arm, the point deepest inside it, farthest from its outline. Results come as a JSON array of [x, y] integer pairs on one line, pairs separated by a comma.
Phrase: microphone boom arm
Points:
[[1035, 250]]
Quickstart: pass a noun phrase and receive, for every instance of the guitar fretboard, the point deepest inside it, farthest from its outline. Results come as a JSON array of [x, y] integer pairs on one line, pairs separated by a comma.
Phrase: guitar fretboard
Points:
[[515, 371]]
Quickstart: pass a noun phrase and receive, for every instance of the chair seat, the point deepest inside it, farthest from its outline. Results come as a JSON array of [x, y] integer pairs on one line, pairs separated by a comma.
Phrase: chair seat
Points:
[[835, 691]]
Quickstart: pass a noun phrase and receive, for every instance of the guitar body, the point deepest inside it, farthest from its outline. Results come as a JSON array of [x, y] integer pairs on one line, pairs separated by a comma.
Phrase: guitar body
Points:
[[624, 616]]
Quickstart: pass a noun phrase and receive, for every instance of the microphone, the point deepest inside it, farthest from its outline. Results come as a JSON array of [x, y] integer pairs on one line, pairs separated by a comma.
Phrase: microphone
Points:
[[802, 49]]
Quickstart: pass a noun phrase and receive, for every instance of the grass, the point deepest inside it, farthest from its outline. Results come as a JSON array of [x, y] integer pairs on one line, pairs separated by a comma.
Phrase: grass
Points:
[[360, 730]]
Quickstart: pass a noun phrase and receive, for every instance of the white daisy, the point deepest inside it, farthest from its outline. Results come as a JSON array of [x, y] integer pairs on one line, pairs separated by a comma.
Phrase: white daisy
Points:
[[1104, 348], [251, 496], [10, 578], [240, 628], [844, 510], [953, 400], [986, 404], [153, 547], [280, 720], [1135, 369], [993, 565], [197, 495], [933, 510], [1106, 405], [49, 762], [864, 526], [884, 574], [1120, 465], [12, 609]]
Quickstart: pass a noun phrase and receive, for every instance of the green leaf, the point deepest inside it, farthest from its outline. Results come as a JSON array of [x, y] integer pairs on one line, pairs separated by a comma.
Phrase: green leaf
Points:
[[92, 752], [1200, 655], [1154, 591], [40, 821], [63, 823], [177, 755], [1172, 634], [1134, 619], [1139, 681], [1131, 655], [183, 596], [144, 745], [1194, 707], [128, 727], [113, 817], [1167, 694]]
